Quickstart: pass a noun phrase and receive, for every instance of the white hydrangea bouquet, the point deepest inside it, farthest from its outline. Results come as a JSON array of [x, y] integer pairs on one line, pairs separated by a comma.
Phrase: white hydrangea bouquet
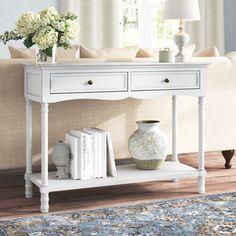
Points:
[[45, 29]]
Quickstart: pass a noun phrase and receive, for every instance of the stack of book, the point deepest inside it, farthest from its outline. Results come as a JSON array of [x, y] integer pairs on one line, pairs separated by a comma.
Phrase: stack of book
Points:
[[92, 154]]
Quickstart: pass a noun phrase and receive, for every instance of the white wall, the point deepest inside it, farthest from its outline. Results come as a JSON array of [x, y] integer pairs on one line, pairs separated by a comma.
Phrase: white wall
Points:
[[10, 10]]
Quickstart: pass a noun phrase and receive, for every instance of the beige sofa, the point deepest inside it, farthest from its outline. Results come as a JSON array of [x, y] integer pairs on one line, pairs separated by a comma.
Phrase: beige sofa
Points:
[[118, 116]]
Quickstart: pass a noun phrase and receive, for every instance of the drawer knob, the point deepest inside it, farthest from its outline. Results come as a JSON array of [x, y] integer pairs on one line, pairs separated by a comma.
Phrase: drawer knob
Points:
[[166, 80], [90, 82]]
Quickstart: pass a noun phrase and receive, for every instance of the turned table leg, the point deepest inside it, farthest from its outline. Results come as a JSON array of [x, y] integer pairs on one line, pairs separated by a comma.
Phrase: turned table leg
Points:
[[201, 141], [28, 171], [174, 132], [174, 129], [228, 155], [44, 158]]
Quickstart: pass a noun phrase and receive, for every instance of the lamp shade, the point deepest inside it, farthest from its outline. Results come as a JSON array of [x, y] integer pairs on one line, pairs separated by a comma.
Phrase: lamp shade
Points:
[[181, 9]]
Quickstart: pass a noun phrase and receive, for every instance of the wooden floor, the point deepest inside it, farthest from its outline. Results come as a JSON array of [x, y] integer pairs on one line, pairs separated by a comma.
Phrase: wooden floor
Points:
[[13, 204]]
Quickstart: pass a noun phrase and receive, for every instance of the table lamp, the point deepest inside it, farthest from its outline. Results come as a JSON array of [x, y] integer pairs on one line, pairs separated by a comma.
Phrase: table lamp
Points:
[[183, 10]]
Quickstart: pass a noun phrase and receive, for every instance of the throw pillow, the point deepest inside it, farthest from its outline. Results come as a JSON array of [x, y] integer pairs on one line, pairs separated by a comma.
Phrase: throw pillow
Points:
[[154, 53], [111, 53], [209, 52], [91, 52], [27, 53], [72, 52], [147, 52]]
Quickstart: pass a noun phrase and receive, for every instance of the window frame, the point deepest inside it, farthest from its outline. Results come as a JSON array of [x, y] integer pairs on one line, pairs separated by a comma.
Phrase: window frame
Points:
[[145, 19]]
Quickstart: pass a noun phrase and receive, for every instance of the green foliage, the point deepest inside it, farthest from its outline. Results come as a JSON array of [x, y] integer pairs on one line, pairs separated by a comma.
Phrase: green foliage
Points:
[[28, 42], [69, 16], [10, 35], [48, 51]]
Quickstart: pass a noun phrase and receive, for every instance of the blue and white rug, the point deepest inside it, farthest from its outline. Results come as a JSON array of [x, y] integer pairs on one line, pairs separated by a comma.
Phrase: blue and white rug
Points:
[[208, 215]]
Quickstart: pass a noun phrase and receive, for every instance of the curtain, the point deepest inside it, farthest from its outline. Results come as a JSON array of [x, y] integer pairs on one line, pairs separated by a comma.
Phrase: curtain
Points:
[[99, 23], [209, 31], [98, 20]]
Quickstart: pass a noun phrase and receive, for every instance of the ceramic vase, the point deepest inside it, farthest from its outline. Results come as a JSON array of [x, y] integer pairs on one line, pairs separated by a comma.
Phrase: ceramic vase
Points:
[[61, 157], [148, 145]]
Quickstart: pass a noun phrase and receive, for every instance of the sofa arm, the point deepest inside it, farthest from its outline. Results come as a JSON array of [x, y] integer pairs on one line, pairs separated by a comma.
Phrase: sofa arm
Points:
[[231, 55]]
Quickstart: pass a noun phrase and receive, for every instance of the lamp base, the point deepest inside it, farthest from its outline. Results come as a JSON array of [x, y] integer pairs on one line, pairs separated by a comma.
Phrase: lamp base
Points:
[[180, 58], [181, 39]]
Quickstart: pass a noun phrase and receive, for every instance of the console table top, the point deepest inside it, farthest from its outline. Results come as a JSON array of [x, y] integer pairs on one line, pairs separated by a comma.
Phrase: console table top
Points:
[[105, 64]]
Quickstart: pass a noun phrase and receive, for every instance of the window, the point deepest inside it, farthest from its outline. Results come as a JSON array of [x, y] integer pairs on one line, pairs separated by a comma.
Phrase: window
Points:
[[141, 23]]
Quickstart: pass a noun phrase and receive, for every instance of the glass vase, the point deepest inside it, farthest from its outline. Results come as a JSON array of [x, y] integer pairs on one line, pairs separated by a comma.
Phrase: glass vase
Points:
[[46, 55]]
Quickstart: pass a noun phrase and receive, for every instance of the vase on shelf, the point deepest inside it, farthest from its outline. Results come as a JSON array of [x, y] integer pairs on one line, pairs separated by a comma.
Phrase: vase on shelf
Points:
[[47, 55], [148, 145], [61, 157]]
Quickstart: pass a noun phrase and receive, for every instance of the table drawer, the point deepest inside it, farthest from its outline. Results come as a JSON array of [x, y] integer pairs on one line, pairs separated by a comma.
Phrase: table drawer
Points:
[[143, 81], [88, 82]]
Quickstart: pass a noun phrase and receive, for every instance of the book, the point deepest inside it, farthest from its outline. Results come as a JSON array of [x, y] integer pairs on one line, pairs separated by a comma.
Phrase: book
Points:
[[75, 164], [102, 151], [84, 153], [95, 151], [92, 154], [111, 165]]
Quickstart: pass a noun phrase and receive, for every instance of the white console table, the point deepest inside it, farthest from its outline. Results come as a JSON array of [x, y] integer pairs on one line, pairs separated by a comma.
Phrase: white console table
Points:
[[51, 83]]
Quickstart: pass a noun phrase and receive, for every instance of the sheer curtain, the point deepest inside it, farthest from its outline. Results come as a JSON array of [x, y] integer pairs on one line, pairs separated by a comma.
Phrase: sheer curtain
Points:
[[99, 23], [209, 31], [98, 19]]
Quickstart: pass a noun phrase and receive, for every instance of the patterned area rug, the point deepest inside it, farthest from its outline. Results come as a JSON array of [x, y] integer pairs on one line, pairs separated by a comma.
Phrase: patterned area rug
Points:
[[208, 215]]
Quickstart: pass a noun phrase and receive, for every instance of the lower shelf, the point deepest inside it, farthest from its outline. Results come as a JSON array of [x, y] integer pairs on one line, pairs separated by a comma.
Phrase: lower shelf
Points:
[[127, 174]]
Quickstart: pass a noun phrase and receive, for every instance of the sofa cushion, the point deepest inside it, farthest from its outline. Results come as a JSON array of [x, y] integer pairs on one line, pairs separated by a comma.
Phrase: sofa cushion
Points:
[[26, 53], [115, 53], [209, 52]]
